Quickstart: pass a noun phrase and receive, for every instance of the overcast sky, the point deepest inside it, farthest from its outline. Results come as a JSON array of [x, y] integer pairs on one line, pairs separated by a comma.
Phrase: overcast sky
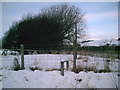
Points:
[[102, 17]]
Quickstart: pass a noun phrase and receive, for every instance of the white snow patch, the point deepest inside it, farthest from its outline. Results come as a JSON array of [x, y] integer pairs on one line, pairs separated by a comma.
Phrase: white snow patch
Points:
[[53, 79]]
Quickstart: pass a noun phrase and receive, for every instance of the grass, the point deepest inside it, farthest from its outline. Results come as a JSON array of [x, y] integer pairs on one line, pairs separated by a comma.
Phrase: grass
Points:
[[104, 70], [91, 68], [78, 69], [53, 69], [35, 68]]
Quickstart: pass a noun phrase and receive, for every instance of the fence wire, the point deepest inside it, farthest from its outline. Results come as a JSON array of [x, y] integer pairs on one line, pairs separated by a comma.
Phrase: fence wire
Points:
[[49, 60]]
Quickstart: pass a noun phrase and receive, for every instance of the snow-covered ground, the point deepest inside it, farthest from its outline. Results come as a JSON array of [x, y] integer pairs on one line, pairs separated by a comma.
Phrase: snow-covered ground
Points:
[[48, 74], [53, 79]]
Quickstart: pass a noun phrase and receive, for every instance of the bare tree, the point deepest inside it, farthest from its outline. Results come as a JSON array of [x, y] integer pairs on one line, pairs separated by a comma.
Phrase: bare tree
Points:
[[68, 16]]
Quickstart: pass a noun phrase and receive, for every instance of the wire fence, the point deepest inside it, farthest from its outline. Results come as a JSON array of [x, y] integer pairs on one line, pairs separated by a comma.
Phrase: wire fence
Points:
[[49, 60], [35, 59]]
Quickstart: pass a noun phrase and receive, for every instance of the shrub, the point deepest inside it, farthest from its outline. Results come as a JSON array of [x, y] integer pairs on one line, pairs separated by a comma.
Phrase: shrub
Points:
[[16, 65]]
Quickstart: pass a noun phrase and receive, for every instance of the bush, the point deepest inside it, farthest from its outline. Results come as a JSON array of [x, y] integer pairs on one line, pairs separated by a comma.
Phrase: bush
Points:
[[16, 65]]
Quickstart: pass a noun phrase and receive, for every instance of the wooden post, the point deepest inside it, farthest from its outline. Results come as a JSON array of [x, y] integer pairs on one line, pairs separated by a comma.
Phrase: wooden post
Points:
[[62, 68], [75, 49], [22, 56], [67, 64]]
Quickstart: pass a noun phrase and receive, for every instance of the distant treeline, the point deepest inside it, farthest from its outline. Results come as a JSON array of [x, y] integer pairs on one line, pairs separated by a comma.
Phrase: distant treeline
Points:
[[100, 48], [95, 48]]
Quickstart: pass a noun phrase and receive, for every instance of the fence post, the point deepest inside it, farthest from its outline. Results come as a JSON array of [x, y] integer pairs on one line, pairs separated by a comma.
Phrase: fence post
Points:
[[22, 56], [75, 49], [62, 68], [67, 64]]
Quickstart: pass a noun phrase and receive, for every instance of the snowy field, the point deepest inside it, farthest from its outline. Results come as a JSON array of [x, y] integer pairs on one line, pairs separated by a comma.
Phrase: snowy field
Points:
[[48, 74]]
